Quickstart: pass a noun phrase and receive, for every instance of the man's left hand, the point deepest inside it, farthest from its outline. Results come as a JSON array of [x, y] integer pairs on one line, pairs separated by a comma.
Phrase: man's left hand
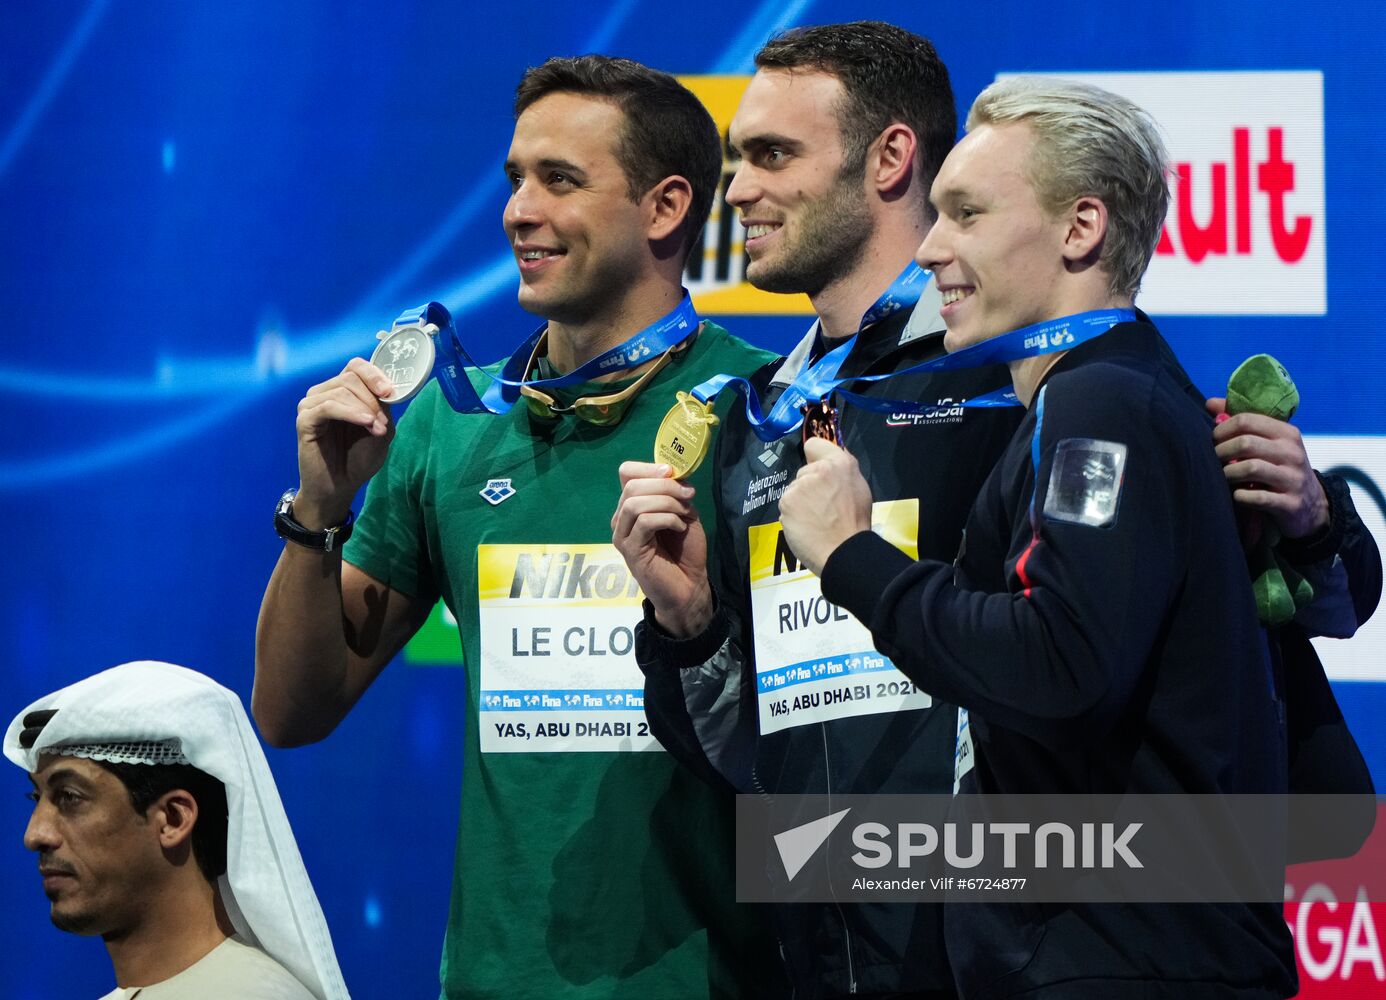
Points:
[[1265, 463], [827, 503]]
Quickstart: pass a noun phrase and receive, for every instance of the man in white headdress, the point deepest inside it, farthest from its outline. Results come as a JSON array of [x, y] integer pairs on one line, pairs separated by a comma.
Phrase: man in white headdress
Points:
[[158, 826]]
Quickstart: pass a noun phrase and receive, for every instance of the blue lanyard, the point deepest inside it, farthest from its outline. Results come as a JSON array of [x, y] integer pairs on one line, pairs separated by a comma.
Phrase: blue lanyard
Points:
[[818, 380], [1062, 334], [821, 379], [504, 390]]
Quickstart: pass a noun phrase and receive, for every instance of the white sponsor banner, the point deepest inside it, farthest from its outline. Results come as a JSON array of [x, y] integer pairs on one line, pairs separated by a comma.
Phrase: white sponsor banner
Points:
[[1362, 460], [558, 670], [1245, 234]]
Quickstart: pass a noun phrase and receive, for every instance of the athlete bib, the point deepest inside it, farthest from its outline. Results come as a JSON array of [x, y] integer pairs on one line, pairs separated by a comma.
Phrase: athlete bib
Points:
[[558, 669], [814, 661]]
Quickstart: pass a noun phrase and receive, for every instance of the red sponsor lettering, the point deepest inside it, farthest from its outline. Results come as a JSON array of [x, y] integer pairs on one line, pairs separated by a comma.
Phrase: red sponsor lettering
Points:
[[1275, 178]]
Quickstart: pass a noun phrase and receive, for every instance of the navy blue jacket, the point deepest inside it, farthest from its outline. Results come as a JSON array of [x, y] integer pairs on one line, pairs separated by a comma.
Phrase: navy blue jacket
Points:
[[1101, 632]]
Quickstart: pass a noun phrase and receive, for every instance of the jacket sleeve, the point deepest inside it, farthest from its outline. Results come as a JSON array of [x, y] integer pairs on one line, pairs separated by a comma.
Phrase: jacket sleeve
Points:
[[700, 691], [1058, 654], [1324, 760], [696, 698], [1343, 565]]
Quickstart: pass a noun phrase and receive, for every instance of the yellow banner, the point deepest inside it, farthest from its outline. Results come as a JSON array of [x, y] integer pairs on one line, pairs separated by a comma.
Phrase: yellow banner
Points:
[[897, 521], [554, 574]]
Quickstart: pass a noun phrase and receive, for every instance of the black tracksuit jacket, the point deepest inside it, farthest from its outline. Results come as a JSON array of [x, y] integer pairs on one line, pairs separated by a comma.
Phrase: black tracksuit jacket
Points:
[[700, 692], [942, 458], [1117, 655]]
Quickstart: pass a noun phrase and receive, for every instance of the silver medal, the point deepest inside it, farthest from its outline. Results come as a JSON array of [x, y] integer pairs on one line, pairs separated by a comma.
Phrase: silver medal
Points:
[[405, 354]]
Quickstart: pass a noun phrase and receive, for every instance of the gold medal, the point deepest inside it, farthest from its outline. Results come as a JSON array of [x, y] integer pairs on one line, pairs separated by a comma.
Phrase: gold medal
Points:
[[684, 435]]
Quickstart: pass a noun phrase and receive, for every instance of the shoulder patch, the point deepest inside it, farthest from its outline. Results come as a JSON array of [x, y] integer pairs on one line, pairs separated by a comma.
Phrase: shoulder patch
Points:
[[1085, 482]]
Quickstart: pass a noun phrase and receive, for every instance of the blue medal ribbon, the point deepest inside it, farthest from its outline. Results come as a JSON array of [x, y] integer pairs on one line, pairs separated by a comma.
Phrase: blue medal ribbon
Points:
[[816, 381], [821, 380], [503, 392], [1062, 334]]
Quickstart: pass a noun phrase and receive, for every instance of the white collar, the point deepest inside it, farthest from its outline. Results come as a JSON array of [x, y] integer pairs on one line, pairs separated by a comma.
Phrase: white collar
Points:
[[924, 321]]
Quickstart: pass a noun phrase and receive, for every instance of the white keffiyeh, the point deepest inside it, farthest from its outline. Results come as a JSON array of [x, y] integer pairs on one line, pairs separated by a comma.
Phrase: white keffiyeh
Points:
[[157, 711]]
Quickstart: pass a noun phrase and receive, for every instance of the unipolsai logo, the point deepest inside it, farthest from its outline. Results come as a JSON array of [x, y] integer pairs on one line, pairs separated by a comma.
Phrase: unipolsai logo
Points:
[[716, 270], [1245, 233], [946, 411]]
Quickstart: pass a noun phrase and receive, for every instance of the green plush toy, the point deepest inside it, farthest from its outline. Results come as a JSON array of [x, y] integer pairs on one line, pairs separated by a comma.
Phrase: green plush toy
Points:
[[1261, 385]]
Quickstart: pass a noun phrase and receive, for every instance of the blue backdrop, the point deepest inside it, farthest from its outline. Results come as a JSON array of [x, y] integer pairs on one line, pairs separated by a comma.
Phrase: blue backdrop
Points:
[[205, 208]]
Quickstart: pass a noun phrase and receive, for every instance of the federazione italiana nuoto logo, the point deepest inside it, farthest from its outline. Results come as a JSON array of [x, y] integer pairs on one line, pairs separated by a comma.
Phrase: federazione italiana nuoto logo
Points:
[[716, 271]]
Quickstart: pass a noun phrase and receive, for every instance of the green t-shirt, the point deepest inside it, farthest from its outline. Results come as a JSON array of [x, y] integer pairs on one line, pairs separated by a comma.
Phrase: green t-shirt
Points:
[[588, 863]]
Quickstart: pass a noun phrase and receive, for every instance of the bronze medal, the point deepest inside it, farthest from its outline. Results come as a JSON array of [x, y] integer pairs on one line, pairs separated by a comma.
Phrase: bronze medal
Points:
[[684, 435], [820, 421]]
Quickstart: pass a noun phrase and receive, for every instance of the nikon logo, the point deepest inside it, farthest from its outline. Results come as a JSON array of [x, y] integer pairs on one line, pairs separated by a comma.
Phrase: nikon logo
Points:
[[785, 559], [560, 577]]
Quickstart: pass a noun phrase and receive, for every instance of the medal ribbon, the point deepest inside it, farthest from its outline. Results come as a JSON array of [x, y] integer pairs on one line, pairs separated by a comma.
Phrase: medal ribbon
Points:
[[821, 380], [816, 381], [504, 390], [1062, 334]]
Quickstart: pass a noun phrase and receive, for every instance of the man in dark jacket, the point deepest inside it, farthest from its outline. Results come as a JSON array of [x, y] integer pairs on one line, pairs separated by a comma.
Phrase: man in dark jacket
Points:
[[840, 132], [1098, 627]]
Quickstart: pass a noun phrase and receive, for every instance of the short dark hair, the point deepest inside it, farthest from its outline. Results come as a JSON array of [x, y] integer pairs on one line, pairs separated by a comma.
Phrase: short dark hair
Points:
[[888, 75], [667, 130], [146, 782]]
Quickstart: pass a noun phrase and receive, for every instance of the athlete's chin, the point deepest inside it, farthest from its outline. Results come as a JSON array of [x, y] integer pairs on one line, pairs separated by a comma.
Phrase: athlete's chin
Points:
[[771, 274], [538, 301], [959, 337]]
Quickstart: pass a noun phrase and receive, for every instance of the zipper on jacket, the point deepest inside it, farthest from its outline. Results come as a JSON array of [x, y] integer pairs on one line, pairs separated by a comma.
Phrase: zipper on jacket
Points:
[[828, 779], [846, 933]]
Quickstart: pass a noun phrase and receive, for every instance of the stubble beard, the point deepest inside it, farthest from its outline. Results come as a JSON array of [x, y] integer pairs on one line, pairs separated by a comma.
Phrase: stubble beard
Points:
[[582, 300], [832, 236], [73, 923]]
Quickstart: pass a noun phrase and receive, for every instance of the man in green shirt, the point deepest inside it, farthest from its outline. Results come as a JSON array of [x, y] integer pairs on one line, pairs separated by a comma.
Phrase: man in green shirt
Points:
[[589, 865]]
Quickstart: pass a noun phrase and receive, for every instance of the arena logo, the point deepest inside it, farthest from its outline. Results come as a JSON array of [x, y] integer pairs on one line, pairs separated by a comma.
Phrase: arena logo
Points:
[[1245, 233], [716, 271]]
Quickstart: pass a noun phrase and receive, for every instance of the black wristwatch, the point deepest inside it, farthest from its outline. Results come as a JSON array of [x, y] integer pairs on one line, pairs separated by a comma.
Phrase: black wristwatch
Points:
[[327, 540]]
